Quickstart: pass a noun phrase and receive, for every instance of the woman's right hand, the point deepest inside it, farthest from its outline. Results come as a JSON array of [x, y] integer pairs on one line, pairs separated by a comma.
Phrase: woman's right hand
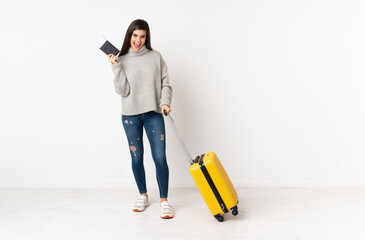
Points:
[[112, 58]]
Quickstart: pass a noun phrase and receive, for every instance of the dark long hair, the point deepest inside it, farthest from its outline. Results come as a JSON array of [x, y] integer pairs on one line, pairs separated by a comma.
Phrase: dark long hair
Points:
[[137, 24]]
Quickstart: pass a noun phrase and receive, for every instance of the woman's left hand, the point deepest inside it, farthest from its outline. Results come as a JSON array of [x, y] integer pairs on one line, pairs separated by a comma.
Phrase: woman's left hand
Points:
[[165, 108]]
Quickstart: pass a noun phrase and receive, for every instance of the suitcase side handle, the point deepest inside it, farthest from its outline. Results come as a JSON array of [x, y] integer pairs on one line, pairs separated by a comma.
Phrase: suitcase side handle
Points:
[[186, 151]]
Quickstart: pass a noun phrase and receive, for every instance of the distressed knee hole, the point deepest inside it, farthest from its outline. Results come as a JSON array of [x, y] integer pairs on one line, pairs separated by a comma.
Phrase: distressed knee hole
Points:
[[134, 149]]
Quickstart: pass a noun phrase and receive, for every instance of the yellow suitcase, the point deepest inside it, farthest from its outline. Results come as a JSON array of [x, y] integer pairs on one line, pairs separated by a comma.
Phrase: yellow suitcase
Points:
[[214, 185], [212, 181]]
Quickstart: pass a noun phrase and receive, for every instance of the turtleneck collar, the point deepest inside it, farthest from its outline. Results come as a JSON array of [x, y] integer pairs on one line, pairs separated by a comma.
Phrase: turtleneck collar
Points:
[[140, 52]]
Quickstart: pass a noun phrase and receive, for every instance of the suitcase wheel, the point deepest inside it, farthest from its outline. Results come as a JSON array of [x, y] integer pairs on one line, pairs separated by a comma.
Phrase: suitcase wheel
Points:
[[234, 211], [219, 217]]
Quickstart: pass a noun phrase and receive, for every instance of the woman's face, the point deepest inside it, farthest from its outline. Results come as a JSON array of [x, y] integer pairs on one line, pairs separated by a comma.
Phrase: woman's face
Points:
[[138, 39]]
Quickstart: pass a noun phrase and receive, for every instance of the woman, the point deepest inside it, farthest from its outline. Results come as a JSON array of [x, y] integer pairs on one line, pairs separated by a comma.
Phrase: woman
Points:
[[141, 78]]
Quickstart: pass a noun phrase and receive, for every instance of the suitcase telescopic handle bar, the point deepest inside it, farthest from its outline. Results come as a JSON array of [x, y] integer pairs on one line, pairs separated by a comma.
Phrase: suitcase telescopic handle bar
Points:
[[186, 151]]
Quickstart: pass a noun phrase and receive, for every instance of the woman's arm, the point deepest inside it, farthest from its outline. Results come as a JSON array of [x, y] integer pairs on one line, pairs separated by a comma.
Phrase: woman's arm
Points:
[[120, 80], [166, 88]]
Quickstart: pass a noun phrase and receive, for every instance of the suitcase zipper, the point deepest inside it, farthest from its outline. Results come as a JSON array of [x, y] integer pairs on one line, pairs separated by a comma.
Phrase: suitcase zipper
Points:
[[212, 185]]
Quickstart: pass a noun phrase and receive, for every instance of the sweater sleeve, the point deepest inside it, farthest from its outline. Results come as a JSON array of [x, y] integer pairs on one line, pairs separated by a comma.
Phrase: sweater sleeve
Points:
[[120, 80], [166, 89]]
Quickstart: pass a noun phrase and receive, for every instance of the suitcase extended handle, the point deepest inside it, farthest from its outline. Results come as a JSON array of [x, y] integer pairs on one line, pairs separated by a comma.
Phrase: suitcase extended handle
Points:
[[186, 151]]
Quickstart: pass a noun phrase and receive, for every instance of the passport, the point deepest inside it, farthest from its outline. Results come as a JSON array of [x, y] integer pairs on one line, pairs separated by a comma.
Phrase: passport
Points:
[[104, 45]]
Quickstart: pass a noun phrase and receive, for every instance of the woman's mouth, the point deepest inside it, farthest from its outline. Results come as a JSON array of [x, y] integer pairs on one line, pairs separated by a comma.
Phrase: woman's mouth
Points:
[[137, 45]]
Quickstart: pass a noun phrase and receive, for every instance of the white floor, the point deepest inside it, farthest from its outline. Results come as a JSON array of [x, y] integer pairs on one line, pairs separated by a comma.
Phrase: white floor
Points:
[[105, 214]]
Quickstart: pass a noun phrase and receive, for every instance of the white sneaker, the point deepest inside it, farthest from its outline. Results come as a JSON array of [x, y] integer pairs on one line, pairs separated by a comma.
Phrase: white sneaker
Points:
[[166, 210], [140, 204]]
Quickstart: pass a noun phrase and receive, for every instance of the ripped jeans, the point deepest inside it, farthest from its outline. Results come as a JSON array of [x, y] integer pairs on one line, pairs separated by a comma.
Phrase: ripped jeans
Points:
[[154, 125]]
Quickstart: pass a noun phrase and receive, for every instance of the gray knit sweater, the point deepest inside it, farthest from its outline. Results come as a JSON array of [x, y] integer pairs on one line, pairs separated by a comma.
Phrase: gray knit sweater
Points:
[[142, 80]]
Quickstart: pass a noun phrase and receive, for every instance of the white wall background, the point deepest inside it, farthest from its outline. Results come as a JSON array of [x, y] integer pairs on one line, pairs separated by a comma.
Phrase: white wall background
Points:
[[276, 88]]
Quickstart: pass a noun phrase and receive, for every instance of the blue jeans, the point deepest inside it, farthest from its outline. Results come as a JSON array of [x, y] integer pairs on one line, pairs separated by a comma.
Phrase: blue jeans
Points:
[[154, 125]]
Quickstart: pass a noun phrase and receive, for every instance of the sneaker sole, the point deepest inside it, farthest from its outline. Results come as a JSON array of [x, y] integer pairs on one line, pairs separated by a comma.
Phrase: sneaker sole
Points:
[[137, 210], [166, 217]]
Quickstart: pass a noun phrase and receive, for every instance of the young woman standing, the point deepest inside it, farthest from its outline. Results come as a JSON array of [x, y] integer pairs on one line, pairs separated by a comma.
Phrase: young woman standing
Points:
[[142, 80]]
